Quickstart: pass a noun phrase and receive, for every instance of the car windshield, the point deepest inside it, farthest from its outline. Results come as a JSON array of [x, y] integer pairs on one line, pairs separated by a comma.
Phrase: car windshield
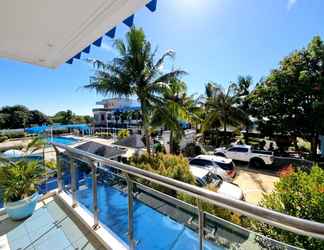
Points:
[[225, 166], [205, 180]]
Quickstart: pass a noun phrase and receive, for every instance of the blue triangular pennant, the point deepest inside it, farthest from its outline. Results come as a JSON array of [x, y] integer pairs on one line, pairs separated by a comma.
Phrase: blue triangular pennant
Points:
[[129, 21], [98, 42], [87, 50], [152, 5], [70, 61], [77, 56], [111, 33]]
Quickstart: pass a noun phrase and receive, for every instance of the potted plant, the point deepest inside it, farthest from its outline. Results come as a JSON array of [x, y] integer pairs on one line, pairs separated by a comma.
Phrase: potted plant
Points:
[[19, 181]]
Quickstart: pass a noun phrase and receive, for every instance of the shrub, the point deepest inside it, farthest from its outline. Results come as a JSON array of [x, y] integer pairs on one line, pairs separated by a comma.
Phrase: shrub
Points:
[[192, 150], [298, 194], [19, 179], [212, 209], [175, 167], [159, 148], [51, 164], [13, 135], [123, 133], [104, 134]]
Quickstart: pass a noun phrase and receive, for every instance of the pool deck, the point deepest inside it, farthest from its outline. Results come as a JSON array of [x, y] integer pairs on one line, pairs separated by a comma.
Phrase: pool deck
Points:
[[50, 227]]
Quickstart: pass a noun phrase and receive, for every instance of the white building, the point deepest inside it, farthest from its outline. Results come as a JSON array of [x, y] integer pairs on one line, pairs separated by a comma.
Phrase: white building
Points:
[[117, 113]]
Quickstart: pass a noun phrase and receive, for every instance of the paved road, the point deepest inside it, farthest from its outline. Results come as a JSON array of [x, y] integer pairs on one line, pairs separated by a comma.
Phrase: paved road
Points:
[[255, 183]]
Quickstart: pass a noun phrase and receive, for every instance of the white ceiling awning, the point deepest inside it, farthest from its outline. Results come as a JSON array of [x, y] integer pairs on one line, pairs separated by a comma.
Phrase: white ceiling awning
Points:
[[51, 32]]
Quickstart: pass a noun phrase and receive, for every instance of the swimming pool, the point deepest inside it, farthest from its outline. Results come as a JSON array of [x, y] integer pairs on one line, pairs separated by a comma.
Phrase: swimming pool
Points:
[[152, 230], [62, 140]]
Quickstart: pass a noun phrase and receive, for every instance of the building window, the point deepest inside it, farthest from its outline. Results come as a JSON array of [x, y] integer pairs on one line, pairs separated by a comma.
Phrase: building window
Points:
[[102, 117]]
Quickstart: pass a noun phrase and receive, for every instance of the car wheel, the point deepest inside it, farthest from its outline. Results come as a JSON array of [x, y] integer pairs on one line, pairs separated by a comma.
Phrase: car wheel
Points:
[[256, 163]]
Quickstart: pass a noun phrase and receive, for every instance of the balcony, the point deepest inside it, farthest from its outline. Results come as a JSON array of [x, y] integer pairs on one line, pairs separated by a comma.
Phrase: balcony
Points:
[[52, 226], [113, 210]]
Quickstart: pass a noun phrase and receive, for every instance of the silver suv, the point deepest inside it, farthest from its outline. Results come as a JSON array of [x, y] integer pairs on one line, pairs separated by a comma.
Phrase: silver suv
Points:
[[219, 166]]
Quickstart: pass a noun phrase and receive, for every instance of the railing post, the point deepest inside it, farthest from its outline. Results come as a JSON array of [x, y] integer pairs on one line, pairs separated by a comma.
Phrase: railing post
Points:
[[200, 224], [73, 181], [130, 213], [59, 176], [95, 196]]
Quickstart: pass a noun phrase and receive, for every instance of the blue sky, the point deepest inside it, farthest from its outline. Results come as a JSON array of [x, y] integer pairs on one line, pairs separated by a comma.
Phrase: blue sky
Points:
[[214, 40]]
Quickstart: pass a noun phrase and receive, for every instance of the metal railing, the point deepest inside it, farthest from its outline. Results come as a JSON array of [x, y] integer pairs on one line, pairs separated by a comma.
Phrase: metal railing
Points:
[[276, 219]]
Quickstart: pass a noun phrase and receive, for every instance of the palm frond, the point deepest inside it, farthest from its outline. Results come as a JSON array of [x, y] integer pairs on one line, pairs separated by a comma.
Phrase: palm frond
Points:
[[169, 53], [36, 144], [170, 75]]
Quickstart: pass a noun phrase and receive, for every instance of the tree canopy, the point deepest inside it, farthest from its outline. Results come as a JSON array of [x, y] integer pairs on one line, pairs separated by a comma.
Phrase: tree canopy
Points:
[[19, 116], [290, 101], [223, 107]]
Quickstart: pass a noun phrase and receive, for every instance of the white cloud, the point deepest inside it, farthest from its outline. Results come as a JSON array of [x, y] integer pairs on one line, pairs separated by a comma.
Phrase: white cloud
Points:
[[109, 48], [291, 3]]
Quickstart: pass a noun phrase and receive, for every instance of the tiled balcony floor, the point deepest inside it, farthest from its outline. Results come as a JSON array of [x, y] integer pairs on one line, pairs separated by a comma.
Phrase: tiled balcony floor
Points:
[[49, 228]]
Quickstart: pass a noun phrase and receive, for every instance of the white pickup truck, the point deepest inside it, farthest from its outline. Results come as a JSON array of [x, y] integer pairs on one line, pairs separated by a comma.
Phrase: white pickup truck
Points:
[[245, 153]]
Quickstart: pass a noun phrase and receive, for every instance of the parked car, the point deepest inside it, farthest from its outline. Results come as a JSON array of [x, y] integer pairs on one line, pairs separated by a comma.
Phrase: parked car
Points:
[[205, 177], [245, 153], [219, 166]]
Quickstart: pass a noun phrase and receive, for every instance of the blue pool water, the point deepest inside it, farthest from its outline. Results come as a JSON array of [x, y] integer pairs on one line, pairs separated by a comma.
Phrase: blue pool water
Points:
[[62, 140], [152, 230]]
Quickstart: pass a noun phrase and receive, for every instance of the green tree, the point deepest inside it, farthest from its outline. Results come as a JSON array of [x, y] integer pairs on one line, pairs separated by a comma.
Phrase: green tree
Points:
[[222, 107], [3, 120], [177, 107], [242, 89], [78, 119], [15, 116], [134, 73], [290, 101], [298, 194], [37, 117], [64, 117]]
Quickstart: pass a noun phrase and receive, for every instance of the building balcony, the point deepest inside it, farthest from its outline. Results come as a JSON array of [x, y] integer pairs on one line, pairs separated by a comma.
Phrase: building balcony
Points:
[[107, 207]]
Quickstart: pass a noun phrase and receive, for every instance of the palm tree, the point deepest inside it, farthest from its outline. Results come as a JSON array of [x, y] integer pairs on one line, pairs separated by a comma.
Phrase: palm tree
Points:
[[134, 73], [176, 106], [222, 107], [244, 83], [19, 179]]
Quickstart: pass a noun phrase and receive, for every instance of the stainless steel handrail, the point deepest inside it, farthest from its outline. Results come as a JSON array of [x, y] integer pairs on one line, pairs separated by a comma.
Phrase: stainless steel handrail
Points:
[[280, 220]]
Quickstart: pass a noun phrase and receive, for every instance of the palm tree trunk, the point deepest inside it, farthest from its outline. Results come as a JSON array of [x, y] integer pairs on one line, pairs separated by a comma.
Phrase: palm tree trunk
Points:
[[146, 130], [246, 136], [171, 141], [225, 132], [147, 138], [314, 144]]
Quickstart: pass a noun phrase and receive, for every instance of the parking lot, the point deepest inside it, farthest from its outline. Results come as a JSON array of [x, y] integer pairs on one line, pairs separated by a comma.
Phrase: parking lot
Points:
[[255, 183]]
